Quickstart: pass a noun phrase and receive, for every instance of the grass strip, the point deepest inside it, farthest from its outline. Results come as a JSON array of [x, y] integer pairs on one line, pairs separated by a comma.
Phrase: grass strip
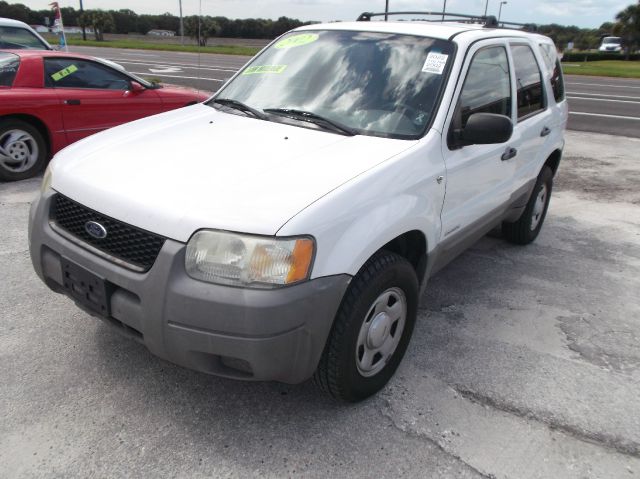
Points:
[[140, 45], [604, 68]]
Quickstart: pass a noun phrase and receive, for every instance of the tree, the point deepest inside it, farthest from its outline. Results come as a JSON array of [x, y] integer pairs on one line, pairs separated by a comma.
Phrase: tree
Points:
[[99, 20], [628, 27], [200, 30]]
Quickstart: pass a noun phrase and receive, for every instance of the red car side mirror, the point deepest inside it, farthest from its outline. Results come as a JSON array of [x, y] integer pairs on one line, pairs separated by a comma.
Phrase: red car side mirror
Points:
[[136, 87]]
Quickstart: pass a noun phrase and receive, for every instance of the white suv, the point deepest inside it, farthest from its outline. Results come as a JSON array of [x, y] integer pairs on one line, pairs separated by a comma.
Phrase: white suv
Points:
[[286, 227]]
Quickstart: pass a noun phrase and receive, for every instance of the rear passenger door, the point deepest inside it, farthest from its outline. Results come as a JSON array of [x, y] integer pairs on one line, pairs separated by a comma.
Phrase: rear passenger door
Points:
[[478, 182], [534, 123]]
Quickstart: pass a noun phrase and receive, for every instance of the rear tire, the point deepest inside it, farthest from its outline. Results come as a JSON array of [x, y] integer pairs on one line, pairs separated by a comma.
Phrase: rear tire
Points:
[[372, 329], [527, 228], [23, 151]]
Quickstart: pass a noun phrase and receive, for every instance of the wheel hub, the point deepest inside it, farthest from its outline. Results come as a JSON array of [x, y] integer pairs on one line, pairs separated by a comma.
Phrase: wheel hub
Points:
[[18, 150], [379, 330]]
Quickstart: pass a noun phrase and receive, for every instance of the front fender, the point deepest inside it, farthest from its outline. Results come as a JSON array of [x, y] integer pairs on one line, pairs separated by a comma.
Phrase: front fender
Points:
[[354, 221]]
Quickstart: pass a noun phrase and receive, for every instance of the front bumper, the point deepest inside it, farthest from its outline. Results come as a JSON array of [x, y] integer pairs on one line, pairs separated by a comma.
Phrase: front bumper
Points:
[[241, 333]]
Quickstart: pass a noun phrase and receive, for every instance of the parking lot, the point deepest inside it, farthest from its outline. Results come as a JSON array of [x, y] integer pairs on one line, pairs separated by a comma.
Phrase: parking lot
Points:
[[524, 363]]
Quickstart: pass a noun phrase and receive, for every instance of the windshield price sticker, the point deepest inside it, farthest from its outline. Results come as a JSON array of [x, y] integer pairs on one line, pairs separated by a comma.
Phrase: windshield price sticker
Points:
[[264, 69], [297, 40], [64, 73], [435, 63]]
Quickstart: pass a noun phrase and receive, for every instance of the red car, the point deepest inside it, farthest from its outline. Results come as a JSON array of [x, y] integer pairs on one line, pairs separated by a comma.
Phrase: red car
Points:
[[51, 99]]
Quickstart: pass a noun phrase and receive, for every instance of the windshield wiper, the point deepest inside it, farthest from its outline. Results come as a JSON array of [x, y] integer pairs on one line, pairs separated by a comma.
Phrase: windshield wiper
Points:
[[311, 117], [238, 105]]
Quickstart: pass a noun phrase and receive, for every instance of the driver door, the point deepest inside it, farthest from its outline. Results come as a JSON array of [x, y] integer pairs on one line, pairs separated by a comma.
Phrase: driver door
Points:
[[479, 179], [95, 97]]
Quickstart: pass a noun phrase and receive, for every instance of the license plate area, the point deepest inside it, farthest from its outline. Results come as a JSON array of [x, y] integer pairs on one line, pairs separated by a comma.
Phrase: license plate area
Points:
[[86, 288]]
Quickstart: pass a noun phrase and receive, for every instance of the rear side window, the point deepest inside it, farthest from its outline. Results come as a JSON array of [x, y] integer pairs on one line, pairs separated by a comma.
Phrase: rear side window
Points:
[[15, 38], [529, 81], [9, 64], [487, 88], [77, 73], [552, 63], [557, 82]]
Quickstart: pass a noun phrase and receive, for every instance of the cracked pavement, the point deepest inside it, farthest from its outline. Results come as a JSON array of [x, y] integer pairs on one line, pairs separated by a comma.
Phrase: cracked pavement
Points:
[[525, 363]]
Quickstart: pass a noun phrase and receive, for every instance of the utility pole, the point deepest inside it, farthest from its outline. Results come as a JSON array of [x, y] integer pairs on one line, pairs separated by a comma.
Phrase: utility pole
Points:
[[386, 11], [486, 5], [444, 8], [181, 24], [84, 32], [500, 11]]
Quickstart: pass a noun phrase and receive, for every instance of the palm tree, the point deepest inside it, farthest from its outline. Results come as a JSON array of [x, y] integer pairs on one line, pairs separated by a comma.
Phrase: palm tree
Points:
[[628, 27]]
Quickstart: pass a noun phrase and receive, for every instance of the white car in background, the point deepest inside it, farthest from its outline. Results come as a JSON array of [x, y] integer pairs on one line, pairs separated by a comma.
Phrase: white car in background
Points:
[[611, 44], [16, 35]]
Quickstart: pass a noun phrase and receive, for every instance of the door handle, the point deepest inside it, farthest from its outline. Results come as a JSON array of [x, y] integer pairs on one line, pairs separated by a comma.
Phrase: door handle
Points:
[[509, 153], [545, 131], [73, 101]]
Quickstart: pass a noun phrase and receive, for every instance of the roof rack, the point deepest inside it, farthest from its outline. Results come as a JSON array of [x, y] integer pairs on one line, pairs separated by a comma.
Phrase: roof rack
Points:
[[488, 21]]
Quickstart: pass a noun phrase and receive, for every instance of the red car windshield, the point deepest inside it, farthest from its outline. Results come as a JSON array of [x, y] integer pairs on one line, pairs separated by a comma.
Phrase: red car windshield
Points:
[[8, 68]]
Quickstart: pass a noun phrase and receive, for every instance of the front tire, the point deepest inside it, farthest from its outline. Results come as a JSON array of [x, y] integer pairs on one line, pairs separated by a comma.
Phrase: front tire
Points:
[[23, 151], [527, 228], [372, 329]]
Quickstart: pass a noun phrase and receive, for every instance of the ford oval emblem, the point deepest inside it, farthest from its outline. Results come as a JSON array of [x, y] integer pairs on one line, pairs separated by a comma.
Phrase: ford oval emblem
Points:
[[95, 229]]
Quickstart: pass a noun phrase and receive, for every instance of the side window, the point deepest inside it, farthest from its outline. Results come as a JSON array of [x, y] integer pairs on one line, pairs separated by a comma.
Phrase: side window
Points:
[[15, 38], [529, 78], [9, 64], [77, 73], [552, 63], [557, 82], [487, 88]]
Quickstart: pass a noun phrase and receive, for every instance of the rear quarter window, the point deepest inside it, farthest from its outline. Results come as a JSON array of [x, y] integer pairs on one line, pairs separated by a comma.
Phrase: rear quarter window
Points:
[[9, 64], [552, 62]]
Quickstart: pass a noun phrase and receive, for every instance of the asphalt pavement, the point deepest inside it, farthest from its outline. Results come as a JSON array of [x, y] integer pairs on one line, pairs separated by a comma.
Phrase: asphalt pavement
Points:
[[524, 363], [597, 104]]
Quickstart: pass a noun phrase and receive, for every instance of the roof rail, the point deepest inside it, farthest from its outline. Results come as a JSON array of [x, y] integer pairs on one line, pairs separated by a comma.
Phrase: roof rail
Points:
[[488, 21]]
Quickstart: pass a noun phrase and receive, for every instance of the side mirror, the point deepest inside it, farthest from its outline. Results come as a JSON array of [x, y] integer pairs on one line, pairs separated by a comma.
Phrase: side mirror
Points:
[[136, 87], [486, 129]]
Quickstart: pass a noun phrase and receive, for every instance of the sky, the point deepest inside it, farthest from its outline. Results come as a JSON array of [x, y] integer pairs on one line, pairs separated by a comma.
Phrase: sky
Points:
[[583, 13]]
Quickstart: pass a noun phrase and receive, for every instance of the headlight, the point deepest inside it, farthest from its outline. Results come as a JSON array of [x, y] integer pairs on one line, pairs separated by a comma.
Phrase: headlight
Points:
[[46, 180], [252, 261]]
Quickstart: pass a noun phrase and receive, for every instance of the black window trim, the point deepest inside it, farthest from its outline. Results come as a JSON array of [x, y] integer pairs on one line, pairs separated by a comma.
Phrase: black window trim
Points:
[[545, 98]]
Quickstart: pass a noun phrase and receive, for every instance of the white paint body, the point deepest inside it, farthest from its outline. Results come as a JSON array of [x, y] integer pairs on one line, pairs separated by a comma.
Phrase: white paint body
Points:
[[198, 168]]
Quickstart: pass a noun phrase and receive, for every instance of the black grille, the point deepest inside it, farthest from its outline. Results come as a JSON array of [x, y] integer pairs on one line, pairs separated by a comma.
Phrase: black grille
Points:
[[128, 243]]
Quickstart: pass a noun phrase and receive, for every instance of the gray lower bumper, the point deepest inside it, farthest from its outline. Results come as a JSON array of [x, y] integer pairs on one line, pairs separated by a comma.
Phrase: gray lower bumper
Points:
[[241, 333]]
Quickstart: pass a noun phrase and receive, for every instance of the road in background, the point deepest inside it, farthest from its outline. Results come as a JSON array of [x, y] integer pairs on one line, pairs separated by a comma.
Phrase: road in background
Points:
[[597, 104]]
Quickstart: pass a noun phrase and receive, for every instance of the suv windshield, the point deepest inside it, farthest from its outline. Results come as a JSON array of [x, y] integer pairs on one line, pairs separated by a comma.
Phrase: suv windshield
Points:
[[9, 64], [15, 38], [380, 84], [612, 40]]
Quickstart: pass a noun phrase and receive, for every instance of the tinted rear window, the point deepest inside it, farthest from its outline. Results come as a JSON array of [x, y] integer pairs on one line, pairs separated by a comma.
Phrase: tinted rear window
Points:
[[9, 64]]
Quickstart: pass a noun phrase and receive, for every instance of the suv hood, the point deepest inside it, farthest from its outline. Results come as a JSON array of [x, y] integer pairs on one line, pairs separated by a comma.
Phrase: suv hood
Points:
[[196, 167]]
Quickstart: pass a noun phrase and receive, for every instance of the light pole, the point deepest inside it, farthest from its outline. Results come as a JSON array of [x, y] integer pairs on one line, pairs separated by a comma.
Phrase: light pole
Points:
[[386, 10], [444, 8], [181, 24], [500, 11], [84, 32], [486, 5]]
